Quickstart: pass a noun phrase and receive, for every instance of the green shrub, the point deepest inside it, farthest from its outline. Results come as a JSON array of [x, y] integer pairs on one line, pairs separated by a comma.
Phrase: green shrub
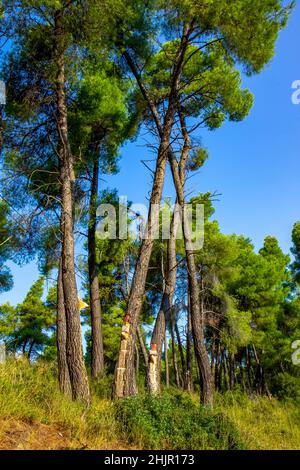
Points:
[[174, 421], [286, 387], [102, 387]]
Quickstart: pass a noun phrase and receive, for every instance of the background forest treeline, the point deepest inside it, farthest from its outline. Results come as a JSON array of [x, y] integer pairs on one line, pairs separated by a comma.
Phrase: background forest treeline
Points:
[[83, 78]]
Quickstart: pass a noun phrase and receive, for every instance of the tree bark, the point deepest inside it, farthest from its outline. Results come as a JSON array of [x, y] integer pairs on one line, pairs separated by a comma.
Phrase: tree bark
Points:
[[137, 359], [125, 384], [61, 339], [97, 361], [174, 355], [77, 371], [142, 345], [197, 319], [180, 348], [163, 317], [167, 361]]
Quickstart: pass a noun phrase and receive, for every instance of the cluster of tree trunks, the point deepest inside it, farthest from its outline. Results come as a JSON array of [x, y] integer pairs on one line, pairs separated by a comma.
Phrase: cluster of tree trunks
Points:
[[125, 383]]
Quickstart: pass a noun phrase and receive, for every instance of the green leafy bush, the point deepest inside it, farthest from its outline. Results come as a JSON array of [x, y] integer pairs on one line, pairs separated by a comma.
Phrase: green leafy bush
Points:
[[174, 421]]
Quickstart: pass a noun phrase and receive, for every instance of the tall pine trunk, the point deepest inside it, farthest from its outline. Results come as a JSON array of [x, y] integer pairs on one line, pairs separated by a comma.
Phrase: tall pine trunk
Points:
[[77, 371], [97, 365], [197, 320]]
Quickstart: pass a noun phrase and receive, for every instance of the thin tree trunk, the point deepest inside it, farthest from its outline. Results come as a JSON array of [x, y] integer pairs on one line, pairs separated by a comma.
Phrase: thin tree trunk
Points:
[[217, 366], [197, 319], [163, 317], [189, 354], [95, 305], [213, 354], [174, 356], [231, 371], [260, 376], [30, 350], [61, 339], [167, 361], [1, 129], [77, 371], [180, 348], [137, 359], [248, 365], [226, 374], [125, 383], [142, 345], [24, 347]]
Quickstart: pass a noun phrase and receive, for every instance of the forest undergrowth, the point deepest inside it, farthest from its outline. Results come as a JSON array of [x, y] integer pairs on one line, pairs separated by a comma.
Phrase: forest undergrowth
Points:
[[35, 415]]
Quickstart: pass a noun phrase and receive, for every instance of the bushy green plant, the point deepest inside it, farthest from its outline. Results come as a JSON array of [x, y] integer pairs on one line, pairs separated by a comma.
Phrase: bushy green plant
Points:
[[174, 421]]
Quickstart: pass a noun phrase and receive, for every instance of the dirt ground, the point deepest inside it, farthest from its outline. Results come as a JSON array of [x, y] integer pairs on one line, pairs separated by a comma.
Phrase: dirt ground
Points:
[[19, 435]]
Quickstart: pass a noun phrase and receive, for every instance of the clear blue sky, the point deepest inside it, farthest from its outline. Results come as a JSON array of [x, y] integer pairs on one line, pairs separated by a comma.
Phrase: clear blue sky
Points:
[[254, 164]]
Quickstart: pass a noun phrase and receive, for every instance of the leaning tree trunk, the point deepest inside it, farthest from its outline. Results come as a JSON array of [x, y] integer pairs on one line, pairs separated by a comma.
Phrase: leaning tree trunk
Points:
[[77, 371], [159, 331], [125, 383], [163, 316], [142, 345], [197, 320], [95, 305], [61, 338]]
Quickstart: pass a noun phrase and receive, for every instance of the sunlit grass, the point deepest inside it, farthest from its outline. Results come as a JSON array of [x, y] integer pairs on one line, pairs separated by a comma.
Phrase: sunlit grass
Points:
[[31, 394], [263, 423], [31, 405]]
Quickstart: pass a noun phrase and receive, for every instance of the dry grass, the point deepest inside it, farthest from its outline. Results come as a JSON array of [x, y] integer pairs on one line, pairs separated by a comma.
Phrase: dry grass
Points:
[[32, 406], [264, 423], [19, 435]]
